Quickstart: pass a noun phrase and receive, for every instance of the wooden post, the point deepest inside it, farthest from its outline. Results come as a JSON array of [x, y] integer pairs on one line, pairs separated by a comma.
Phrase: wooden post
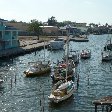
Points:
[[95, 107]]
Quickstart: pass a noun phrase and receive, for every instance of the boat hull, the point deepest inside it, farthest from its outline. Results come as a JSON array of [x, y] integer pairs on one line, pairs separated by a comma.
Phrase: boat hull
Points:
[[45, 71], [55, 99]]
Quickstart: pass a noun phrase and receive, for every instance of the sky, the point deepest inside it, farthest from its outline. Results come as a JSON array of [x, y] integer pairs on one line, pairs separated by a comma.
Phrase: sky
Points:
[[88, 11]]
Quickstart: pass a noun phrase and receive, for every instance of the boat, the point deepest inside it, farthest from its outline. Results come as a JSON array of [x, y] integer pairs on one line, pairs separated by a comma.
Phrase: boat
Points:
[[80, 38], [59, 72], [73, 55], [62, 91], [86, 53], [57, 44], [1, 81], [106, 56], [108, 45], [60, 68], [38, 68]]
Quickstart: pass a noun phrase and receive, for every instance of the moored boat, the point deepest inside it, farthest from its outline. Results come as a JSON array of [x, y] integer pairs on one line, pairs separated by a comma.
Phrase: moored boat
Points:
[[62, 91], [106, 56], [86, 53], [38, 68], [57, 44], [60, 71]]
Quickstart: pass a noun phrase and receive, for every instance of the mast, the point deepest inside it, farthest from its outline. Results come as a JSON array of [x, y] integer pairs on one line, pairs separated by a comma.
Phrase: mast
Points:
[[67, 52], [44, 51]]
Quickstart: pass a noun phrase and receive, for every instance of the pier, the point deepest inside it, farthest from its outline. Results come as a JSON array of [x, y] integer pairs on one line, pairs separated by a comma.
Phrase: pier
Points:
[[25, 47], [104, 103]]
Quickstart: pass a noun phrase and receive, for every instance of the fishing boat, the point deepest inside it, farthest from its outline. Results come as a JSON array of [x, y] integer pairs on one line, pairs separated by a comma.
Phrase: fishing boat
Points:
[[73, 55], [106, 56], [38, 68], [86, 53], [59, 72]]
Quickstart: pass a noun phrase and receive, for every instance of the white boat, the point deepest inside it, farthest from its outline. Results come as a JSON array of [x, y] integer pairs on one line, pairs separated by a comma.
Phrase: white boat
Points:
[[86, 53], [62, 90], [56, 44], [1, 81]]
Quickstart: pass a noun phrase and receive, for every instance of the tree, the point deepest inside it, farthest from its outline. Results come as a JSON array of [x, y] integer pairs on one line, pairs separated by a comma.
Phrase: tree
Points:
[[13, 21], [52, 21], [34, 27]]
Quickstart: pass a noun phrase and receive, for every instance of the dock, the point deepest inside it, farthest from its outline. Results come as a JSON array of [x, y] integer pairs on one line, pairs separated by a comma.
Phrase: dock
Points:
[[25, 48], [104, 103]]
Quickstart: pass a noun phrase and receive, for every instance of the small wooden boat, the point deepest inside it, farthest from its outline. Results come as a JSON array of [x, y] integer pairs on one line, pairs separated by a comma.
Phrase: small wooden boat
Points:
[[86, 53], [38, 68], [62, 91]]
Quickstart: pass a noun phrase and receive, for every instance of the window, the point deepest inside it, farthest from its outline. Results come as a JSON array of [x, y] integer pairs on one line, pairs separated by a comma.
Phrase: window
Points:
[[0, 34], [14, 33], [7, 32]]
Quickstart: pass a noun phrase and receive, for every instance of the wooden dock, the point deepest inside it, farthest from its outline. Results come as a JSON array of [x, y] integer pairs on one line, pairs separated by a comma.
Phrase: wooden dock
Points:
[[23, 49], [105, 104]]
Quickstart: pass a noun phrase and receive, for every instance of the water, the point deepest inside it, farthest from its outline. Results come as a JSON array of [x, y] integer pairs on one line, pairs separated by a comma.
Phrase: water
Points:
[[24, 94]]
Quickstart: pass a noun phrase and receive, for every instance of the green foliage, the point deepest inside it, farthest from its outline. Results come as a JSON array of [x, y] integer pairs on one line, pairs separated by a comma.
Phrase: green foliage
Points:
[[13, 21], [52, 21], [34, 27]]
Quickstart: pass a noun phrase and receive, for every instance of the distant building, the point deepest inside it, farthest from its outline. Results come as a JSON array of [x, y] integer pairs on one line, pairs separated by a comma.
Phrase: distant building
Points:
[[8, 36], [50, 30], [21, 26], [80, 24], [69, 30]]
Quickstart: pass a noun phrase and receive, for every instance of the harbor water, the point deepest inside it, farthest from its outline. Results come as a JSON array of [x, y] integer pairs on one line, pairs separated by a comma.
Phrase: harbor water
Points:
[[21, 94]]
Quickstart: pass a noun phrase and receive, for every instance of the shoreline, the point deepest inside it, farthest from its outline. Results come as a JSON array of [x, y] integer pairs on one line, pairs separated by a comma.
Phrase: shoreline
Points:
[[28, 44]]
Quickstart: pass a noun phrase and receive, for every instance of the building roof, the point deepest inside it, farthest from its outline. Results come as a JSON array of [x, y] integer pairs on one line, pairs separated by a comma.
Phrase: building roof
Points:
[[3, 20], [10, 28]]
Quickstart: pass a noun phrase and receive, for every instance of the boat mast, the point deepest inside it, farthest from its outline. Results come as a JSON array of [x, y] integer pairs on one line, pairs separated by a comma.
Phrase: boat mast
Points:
[[67, 52], [44, 51]]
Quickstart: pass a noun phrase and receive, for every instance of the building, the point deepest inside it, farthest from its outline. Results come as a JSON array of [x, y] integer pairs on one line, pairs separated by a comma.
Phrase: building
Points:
[[8, 36], [50, 30], [21, 26], [69, 30]]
